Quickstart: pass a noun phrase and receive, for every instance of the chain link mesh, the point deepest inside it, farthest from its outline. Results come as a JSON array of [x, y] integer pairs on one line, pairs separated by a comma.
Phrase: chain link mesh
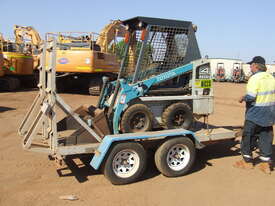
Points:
[[165, 49]]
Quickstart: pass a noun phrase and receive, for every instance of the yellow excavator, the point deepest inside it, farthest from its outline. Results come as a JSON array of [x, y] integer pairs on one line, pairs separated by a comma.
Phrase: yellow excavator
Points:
[[28, 33], [17, 68], [82, 58]]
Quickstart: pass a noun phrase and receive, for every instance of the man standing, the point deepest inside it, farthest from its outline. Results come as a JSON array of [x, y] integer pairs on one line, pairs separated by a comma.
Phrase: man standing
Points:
[[259, 117]]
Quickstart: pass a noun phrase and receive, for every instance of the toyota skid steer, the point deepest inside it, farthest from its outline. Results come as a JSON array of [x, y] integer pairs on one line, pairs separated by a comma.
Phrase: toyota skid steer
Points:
[[162, 83], [162, 86]]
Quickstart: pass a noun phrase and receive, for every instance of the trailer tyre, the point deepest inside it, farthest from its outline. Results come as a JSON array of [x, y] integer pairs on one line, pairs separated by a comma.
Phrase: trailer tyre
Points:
[[175, 157], [177, 115], [137, 118], [125, 163]]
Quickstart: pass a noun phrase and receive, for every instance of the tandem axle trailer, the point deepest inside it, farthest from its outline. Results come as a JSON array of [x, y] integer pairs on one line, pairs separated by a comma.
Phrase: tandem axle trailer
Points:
[[122, 157]]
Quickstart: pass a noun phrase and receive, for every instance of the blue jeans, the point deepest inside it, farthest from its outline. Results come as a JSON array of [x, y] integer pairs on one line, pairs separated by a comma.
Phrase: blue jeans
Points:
[[251, 131]]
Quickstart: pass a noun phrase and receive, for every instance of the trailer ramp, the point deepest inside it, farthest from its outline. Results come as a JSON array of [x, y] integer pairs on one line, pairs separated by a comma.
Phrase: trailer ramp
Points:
[[41, 130]]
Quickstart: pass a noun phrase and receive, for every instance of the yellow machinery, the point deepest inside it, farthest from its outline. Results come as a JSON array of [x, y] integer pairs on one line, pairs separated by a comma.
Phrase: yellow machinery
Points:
[[83, 58], [17, 65]]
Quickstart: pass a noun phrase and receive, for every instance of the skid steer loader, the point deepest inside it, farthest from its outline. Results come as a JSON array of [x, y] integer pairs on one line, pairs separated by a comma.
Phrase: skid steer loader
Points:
[[162, 83]]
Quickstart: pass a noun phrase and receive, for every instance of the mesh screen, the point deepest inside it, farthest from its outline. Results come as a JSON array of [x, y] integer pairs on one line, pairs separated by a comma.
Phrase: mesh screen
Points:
[[165, 49]]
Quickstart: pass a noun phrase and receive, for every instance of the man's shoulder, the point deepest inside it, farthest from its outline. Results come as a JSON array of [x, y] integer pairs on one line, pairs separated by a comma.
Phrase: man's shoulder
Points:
[[260, 75], [253, 78]]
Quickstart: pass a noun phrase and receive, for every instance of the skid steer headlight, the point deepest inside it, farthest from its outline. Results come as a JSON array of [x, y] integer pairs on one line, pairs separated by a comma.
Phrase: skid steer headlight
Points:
[[123, 99]]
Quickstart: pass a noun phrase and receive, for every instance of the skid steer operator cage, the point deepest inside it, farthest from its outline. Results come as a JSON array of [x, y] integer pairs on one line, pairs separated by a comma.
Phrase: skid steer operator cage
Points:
[[158, 45]]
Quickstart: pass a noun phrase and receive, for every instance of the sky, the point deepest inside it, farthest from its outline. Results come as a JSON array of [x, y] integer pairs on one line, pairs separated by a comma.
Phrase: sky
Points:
[[226, 29]]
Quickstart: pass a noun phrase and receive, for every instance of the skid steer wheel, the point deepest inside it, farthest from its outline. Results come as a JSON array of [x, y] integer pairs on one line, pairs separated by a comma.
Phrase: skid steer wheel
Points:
[[137, 118], [177, 115], [125, 163], [175, 157]]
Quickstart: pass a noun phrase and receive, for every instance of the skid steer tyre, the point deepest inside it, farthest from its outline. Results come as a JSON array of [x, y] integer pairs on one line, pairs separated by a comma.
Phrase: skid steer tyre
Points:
[[137, 118], [175, 157], [177, 115], [125, 163]]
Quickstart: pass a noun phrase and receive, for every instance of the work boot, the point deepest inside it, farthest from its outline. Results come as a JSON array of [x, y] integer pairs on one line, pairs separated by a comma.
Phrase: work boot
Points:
[[241, 164], [265, 167]]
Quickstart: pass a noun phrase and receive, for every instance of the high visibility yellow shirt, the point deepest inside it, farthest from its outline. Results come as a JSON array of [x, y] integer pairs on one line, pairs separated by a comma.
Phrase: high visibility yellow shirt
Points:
[[261, 97]]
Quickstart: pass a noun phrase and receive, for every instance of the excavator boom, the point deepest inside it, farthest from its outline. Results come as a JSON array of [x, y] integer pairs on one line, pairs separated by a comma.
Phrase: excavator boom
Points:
[[109, 33], [22, 32]]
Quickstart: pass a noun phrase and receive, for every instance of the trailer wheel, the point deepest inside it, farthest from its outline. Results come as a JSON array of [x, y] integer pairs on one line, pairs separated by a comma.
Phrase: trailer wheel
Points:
[[177, 115], [125, 163], [175, 157], [137, 118]]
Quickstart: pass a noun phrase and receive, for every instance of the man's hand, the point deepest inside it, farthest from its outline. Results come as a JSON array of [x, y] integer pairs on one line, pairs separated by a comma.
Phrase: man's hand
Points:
[[241, 99]]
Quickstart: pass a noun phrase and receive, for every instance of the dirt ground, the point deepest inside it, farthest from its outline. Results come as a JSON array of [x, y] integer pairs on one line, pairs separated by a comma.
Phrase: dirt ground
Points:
[[28, 178]]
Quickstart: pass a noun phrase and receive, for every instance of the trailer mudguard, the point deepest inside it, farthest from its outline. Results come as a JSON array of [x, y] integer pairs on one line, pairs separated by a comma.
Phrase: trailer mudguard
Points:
[[110, 139]]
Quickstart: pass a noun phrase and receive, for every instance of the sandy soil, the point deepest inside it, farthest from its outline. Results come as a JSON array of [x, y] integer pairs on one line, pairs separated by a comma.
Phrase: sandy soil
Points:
[[28, 178]]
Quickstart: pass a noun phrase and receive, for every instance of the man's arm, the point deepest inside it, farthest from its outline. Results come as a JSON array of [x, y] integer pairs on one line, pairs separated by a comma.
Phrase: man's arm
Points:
[[247, 98]]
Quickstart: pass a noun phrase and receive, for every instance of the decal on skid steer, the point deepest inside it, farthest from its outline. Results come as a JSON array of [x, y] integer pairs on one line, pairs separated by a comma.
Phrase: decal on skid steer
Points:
[[203, 83]]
